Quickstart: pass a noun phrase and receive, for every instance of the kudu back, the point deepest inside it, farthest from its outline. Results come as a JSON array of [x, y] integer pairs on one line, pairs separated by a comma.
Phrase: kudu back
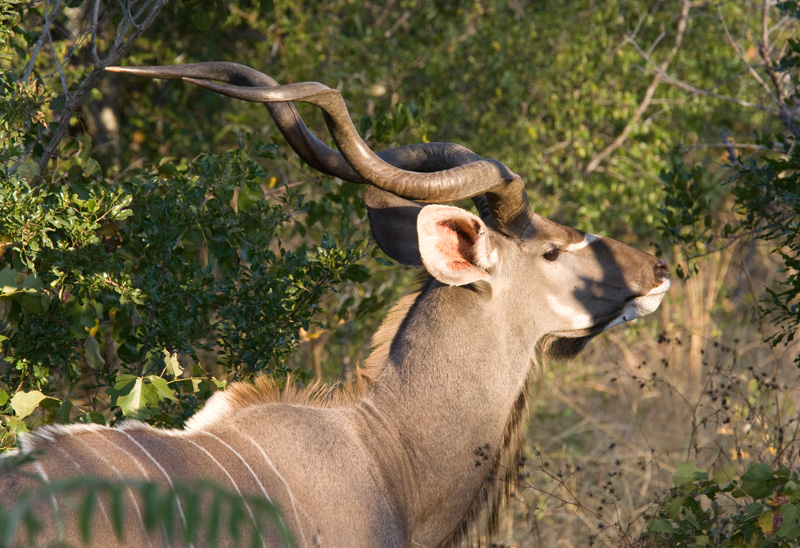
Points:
[[423, 450]]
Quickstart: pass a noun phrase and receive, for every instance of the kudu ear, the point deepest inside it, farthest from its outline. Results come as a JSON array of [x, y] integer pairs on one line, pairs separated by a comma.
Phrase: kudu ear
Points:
[[454, 245], [394, 225]]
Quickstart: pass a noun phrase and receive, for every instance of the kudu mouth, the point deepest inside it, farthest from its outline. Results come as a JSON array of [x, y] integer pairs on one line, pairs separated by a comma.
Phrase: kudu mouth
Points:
[[639, 305]]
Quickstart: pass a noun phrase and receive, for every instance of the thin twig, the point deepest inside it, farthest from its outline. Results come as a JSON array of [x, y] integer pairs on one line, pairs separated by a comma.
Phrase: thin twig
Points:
[[736, 238], [48, 21], [739, 51], [765, 50], [697, 91], [648, 95], [123, 41], [93, 31], [575, 502], [729, 145]]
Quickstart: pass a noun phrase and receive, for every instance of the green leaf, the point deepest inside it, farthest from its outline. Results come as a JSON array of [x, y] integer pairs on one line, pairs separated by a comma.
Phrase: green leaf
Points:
[[3, 397], [32, 282], [213, 522], [249, 196], [135, 397], [219, 383], [266, 8], [118, 511], [661, 525], [8, 281], [92, 352], [85, 516], [687, 473], [193, 514], [174, 368], [790, 528], [759, 481], [25, 403], [725, 474], [92, 417], [162, 387], [64, 411], [15, 425], [32, 304], [203, 21]]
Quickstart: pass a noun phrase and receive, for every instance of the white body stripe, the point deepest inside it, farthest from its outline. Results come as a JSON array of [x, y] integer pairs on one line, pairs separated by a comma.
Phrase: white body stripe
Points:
[[164, 472], [252, 473], [233, 482], [142, 469], [281, 478], [78, 468], [120, 476], [56, 510], [235, 452]]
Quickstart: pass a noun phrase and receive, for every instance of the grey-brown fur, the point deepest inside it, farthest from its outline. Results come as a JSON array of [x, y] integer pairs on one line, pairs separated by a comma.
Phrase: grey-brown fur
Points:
[[422, 451]]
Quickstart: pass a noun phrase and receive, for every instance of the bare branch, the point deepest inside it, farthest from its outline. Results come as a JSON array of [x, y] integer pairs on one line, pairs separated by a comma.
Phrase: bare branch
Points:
[[648, 94], [697, 91], [93, 31], [127, 32], [60, 71], [48, 22], [765, 50], [739, 51], [728, 145]]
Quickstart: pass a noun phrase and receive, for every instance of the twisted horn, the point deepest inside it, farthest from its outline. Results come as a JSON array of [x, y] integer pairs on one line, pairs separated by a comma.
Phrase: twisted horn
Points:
[[427, 172]]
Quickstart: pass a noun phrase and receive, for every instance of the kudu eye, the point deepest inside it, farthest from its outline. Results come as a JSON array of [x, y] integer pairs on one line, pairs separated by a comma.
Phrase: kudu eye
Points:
[[551, 255]]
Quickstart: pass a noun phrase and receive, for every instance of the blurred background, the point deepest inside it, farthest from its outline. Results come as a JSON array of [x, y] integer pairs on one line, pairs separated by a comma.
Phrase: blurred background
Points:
[[158, 240]]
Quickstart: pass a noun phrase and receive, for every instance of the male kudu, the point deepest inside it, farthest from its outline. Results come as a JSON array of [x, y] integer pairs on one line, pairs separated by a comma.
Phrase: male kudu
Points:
[[424, 449]]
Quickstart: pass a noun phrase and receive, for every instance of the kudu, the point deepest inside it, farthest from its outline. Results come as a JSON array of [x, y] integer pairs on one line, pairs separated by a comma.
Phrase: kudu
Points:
[[425, 448]]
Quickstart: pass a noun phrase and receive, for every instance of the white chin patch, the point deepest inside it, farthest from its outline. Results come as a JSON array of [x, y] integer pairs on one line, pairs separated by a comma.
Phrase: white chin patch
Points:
[[641, 306]]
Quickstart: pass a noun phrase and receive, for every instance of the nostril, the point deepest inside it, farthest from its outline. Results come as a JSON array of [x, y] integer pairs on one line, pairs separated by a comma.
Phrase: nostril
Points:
[[661, 271]]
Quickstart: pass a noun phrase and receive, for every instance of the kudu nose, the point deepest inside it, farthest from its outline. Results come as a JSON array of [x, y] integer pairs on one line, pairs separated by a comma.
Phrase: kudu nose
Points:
[[661, 271]]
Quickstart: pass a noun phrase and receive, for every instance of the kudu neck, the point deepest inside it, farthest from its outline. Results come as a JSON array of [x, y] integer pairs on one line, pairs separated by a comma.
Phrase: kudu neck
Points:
[[451, 376]]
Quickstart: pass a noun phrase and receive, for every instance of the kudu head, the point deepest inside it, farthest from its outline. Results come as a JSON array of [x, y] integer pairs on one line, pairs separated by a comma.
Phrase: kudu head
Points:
[[571, 284]]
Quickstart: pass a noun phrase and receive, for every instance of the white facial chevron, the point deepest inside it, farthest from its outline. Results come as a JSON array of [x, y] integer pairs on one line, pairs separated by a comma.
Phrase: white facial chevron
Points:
[[588, 239]]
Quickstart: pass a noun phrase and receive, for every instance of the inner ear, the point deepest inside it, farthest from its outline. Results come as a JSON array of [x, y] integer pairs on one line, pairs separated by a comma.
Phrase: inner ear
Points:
[[454, 245]]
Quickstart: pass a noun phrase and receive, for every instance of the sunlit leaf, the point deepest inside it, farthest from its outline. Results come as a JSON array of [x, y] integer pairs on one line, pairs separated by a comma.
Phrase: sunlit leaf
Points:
[[173, 366], [25, 403], [92, 352]]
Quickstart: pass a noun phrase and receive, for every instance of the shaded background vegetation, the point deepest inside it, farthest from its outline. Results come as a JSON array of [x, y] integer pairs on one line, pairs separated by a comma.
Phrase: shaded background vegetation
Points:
[[158, 240]]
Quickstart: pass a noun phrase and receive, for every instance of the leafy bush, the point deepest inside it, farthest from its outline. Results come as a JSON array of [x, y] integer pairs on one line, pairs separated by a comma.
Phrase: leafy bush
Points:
[[113, 289], [106, 284], [759, 509], [761, 190]]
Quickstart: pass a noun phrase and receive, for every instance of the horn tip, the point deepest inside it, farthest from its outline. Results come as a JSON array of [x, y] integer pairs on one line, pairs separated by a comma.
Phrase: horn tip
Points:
[[130, 70]]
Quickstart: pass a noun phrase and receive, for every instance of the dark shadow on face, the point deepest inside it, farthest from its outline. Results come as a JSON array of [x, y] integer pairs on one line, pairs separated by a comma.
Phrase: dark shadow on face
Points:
[[625, 274]]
